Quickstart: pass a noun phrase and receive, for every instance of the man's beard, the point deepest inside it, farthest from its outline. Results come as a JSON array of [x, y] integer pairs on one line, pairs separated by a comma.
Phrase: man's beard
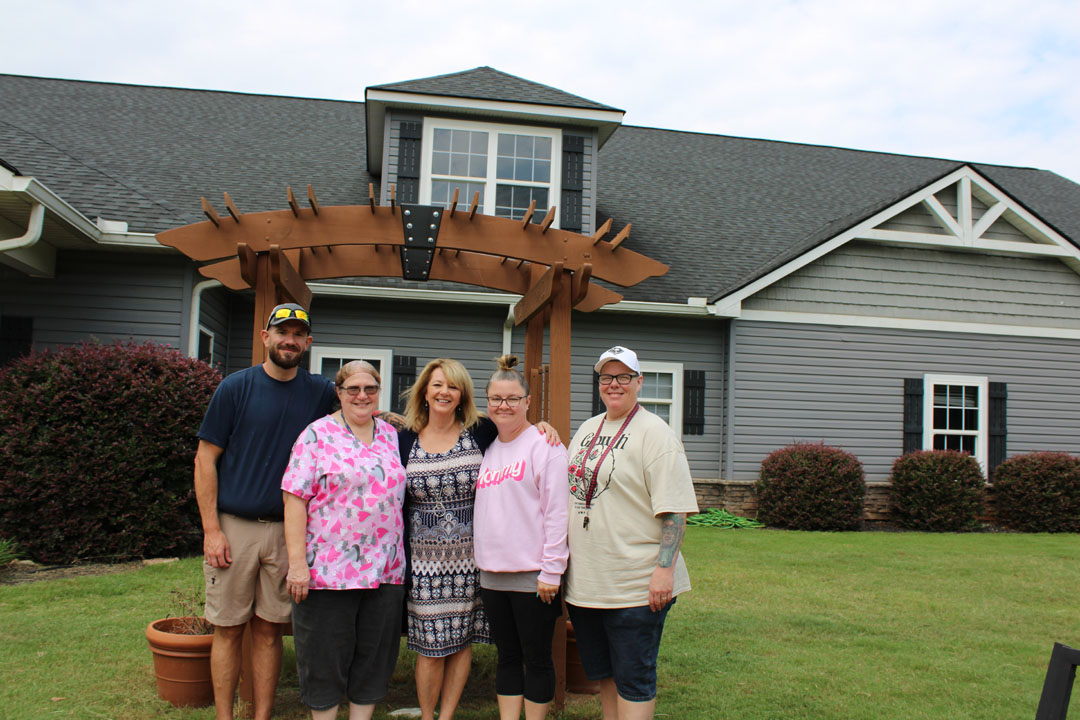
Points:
[[277, 359]]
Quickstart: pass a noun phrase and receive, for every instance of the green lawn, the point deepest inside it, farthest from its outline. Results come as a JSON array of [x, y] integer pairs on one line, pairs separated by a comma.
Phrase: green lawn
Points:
[[779, 625]]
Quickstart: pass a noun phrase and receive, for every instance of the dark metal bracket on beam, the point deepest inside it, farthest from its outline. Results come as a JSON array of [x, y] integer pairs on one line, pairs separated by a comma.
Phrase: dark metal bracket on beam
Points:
[[420, 224]]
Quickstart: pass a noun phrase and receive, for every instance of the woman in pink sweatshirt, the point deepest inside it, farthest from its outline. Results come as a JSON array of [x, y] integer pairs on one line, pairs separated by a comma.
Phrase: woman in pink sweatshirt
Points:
[[520, 545]]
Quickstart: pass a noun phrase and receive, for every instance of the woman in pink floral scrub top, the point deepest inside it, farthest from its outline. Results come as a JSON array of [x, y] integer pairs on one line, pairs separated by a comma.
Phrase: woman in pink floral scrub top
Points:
[[344, 489]]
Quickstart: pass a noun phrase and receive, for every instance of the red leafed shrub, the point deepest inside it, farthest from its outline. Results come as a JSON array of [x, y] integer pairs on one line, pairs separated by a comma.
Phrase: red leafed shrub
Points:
[[808, 486], [937, 490], [97, 444], [1039, 492]]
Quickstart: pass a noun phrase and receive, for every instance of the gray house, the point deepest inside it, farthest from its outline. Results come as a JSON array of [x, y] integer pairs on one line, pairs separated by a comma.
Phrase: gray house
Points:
[[876, 302]]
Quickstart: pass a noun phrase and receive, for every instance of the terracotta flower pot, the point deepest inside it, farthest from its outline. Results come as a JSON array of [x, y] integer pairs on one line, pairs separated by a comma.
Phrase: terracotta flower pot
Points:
[[181, 664]]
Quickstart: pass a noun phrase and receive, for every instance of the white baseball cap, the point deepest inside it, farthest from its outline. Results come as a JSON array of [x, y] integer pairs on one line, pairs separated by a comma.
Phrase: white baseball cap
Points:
[[624, 355]]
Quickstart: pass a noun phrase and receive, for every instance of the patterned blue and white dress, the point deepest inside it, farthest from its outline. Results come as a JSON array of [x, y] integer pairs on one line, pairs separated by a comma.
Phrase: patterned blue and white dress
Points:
[[444, 608]]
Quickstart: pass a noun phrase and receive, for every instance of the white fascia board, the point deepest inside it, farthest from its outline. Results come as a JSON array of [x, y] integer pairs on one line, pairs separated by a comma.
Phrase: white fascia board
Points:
[[33, 189], [482, 298], [866, 230], [100, 233], [376, 102], [133, 240], [891, 323], [421, 295], [495, 107]]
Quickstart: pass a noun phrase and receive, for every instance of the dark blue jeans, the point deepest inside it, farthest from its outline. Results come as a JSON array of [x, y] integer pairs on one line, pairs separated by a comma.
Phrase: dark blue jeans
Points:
[[620, 643]]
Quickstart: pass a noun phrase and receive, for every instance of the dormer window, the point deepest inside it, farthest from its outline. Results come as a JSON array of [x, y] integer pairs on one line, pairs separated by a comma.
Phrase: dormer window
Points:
[[509, 165]]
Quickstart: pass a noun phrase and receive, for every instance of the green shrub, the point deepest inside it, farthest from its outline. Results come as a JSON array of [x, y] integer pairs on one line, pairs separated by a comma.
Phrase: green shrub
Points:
[[938, 490], [810, 486], [1039, 492], [97, 447]]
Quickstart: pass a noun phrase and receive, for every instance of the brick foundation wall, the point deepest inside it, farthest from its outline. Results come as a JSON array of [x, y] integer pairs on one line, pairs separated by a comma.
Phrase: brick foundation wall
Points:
[[739, 497]]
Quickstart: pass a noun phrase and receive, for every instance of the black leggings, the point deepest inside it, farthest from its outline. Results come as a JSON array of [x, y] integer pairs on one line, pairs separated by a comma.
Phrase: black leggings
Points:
[[522, 626]]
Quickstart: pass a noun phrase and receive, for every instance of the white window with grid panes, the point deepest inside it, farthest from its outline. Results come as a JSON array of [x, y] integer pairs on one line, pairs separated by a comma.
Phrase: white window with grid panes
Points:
[[509, 165], [327, 360], [956, 414], [662, 392]]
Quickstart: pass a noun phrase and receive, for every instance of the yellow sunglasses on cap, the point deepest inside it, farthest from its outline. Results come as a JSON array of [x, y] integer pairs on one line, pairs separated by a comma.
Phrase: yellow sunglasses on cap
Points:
[[283, 313]]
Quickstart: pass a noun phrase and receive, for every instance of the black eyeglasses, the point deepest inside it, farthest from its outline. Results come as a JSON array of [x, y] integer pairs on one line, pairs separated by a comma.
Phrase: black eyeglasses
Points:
[[354, 390], [511, 402], [621, 378]]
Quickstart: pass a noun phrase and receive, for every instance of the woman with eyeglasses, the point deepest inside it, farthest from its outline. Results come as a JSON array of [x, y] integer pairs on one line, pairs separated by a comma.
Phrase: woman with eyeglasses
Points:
[[632, 490], [344, 489], [442, 449], [521, 510]]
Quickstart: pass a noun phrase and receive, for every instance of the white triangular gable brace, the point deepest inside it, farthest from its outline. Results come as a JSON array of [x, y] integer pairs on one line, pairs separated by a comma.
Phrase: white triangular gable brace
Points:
[[961, 233]]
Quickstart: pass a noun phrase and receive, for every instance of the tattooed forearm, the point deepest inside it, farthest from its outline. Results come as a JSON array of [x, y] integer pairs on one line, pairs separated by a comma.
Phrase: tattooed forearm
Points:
[[672, 529]]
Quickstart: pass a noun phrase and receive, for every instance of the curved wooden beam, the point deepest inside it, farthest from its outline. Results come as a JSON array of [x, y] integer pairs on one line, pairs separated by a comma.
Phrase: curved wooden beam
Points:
[[364, 261], [344, 225]]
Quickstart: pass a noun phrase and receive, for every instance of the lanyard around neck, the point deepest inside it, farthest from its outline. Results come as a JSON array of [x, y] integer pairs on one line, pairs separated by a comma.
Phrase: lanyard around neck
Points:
[[596, 470]]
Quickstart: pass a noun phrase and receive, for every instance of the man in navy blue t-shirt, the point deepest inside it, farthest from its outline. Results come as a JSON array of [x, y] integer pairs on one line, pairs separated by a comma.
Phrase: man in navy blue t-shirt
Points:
[[253, 420]]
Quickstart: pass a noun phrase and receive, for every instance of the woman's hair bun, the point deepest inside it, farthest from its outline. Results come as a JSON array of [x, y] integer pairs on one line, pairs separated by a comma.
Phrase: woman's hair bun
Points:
[[507, 362]]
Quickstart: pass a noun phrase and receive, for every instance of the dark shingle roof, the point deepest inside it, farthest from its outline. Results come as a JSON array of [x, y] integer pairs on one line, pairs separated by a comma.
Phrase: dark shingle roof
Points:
[[146, 154], [721, 211], [486, 83]]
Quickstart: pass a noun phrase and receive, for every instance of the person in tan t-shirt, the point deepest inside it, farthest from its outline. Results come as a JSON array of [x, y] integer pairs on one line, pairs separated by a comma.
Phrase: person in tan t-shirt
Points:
[[630, 492]]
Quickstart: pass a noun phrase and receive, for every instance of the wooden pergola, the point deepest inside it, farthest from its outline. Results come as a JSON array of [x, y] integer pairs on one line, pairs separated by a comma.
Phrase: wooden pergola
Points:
[[276, 252]]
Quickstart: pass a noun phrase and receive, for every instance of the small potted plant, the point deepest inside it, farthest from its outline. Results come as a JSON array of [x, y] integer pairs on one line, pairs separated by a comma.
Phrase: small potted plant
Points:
[[181, 643]]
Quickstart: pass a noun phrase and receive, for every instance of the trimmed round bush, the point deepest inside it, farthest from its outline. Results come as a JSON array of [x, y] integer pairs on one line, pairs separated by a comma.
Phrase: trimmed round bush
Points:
[[97, 447], [808, 486], [1039, 492], [937, 490]]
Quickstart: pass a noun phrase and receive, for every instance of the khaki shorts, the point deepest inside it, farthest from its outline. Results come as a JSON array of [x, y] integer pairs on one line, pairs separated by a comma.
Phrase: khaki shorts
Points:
[[254, 584]]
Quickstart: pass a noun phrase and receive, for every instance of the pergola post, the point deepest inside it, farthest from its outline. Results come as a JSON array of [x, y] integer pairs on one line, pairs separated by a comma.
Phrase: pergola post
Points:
[[265, 300]]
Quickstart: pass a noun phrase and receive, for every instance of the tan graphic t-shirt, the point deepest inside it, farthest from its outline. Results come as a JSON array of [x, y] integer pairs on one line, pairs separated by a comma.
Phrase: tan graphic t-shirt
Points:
[[646, 474]]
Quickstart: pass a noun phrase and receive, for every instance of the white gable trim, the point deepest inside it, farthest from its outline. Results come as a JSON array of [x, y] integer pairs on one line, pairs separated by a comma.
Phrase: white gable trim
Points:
[[962, 233], [893, 323]]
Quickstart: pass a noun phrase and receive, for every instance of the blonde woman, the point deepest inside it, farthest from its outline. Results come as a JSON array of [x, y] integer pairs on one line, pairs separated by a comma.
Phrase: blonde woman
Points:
[[442, 450]]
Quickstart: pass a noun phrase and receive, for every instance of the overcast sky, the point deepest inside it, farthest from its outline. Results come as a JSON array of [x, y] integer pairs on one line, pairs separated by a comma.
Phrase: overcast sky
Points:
[[993, 81]]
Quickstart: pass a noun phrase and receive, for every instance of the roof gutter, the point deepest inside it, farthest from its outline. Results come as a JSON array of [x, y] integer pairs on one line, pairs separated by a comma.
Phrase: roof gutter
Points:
[[32, 234], [694, 307]]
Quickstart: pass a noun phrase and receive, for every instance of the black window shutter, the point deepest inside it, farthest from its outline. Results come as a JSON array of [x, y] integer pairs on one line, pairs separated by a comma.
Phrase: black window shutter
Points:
[[597, 403], [404, 377], [573, 182], [913, 414], [16, 337], [408, 190], [996, 447], [693, 402]]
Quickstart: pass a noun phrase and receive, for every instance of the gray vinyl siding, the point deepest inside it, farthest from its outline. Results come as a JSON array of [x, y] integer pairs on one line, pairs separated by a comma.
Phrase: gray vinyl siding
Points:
[[698, 345], [215, 317], [471, 334], [241, 312], [844, 386], [887, 281], [106, 296]]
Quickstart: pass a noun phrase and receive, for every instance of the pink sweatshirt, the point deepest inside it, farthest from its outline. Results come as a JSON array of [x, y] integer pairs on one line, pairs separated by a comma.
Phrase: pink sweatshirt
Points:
[[521, 508]]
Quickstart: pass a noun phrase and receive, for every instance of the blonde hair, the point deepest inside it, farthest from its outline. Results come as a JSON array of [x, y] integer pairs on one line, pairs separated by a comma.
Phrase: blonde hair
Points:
[[352, 367], [507, 370], [416, 409]]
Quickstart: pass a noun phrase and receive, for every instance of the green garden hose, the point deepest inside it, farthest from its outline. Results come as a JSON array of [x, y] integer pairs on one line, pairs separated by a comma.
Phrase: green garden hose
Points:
[[722, 519]]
